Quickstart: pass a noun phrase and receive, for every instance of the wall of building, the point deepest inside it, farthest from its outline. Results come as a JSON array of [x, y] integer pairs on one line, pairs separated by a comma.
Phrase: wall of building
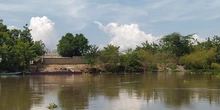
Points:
[[71, 60]]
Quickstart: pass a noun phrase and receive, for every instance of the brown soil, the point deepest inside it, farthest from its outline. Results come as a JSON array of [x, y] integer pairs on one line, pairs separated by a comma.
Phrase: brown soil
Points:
[[77, 67], [180, 68], [55, 67]]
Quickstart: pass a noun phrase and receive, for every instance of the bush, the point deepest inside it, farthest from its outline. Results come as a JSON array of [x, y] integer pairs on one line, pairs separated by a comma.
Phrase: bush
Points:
[[215, 66], [173, 66]]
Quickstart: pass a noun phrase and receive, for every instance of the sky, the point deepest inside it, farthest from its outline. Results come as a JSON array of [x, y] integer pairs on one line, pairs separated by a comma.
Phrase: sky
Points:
[[124, 23]]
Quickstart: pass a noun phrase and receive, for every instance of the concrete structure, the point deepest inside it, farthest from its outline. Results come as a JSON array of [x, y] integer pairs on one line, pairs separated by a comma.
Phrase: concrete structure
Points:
[[63, 60], [53, 58]]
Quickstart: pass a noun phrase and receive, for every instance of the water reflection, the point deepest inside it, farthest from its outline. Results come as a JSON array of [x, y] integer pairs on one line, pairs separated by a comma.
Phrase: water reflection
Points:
[[110, 92], [17, 94]]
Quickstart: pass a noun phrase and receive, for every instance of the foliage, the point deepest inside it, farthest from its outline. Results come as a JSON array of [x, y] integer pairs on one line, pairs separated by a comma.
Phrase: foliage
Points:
[[177, 44], [216, 44], [17, 48], [91, 55], [52, 106], [172, 50], [200, 59], [215, 66], [109, 56], [38, 47], [163, 59], [25, 35], [173, 66], [70, 45], [153, 48], [129, 60], [147, 59]]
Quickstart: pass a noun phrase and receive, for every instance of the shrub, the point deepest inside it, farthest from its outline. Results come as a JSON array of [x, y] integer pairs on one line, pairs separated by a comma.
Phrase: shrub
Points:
[[215, 66]]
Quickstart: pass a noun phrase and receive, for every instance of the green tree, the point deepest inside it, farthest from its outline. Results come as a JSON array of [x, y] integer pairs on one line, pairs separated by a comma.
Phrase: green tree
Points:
[[164, 59], [70, 45], [17, 48], [91, 55], [80, 44], [177, 44], [25, 35], [39, 48], [200, 59], [216, 43], [24, 53], [110, 57], [153, 48], [129, 60], [146, 59], [206, 45]]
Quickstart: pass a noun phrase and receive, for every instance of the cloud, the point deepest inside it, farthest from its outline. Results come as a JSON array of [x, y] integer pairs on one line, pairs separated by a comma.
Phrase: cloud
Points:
[[43, 29], [173, 10], [198, 38], [126, 36], [127, 101], [12, 7], [195, 36]]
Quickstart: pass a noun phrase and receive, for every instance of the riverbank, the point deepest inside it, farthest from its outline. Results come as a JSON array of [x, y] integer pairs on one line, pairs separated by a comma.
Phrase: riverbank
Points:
[[57, 67], [82, 67]]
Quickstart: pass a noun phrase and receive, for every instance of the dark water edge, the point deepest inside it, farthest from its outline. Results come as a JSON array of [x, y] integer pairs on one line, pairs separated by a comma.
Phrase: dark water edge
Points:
[[151, 91]]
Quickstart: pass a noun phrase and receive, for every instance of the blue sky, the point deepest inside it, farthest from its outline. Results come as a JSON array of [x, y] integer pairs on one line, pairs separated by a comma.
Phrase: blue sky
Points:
[[125, 23]]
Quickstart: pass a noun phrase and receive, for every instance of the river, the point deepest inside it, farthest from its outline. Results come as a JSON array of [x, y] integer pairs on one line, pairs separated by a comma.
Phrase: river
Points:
[[153, 91]]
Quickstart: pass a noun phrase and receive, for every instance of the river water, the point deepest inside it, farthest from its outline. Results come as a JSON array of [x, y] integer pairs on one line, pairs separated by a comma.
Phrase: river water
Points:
[[111, 92]]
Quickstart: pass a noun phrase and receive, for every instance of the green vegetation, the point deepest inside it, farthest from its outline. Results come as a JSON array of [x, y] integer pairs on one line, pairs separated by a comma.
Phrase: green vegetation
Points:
[[91, 55], [17, 48], [172, 50], [52, 106], [70, 45]]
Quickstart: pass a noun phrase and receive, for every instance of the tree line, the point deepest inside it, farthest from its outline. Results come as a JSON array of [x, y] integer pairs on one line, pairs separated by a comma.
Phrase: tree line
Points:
[[17, 49], [169, 52]]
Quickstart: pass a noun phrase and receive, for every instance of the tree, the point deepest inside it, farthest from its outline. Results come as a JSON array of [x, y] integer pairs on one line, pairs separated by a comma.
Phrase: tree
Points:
[[153, 48], [25, 35], [146, 59], [216, 43], [177, 44], [24, 54], [129, 60], [91, 55], [200, 59], [70, 45], [163, 59], [38, 47], [17, 48], [80, 44], [110, 57]]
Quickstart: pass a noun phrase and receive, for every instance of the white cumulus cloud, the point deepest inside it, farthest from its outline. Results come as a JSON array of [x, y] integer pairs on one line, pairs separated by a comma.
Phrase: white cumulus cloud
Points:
[[43, 29], [198, 38], [126, 36], [195, 36]]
